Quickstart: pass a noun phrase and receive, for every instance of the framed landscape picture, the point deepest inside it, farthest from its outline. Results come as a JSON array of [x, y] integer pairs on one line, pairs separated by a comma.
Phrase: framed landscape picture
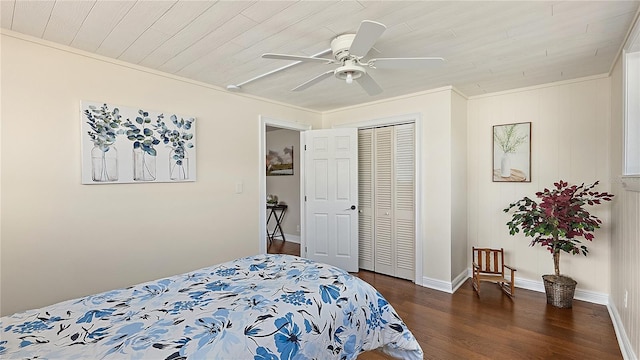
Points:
[[280, 162], [512, 152]]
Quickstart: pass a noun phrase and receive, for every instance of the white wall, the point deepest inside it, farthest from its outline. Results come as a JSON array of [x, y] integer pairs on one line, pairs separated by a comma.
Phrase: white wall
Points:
[[61, 239], [287, 188], [570, 141], [459, 248], [625, 229], [436, 187]]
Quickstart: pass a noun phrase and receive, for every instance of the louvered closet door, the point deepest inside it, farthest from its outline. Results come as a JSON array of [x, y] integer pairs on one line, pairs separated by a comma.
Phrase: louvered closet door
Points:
[[365, 199], [386, 174], [404, 211], [383, 201]]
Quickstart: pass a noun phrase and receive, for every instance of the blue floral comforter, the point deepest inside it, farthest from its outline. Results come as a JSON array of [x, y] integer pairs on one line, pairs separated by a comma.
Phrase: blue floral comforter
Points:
[[261, 307]]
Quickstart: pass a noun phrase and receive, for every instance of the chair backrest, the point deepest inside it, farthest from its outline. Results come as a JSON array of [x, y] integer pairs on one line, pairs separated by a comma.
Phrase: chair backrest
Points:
[[490, 261]]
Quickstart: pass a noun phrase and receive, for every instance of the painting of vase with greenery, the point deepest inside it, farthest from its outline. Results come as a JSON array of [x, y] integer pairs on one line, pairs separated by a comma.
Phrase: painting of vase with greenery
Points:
[[178, 140], [151, 147], [144, 153], [104, 125], [512, 152]]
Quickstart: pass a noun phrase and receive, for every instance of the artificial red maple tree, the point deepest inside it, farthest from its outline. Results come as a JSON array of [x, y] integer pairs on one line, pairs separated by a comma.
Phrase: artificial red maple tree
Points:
[[560, 220]]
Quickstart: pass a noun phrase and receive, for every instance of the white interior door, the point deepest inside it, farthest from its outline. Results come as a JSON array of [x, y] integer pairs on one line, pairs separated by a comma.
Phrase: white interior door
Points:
[[331, 192]]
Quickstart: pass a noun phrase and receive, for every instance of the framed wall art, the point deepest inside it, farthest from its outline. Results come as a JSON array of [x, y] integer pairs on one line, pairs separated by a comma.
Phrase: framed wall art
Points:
[[280, 162], [512, 152], [131, 145]]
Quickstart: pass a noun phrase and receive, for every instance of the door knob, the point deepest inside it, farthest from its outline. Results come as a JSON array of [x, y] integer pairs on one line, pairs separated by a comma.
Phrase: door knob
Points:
[[353, 207]]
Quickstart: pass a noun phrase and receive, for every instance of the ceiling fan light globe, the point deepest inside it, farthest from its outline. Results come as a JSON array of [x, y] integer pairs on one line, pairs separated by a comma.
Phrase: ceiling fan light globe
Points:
[[349, 78], [350, 69]]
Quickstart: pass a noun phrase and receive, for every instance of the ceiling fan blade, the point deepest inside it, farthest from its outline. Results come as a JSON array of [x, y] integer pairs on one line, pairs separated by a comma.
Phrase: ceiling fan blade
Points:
[[295, 58], [238, 87], [367, 35], [369, 85], [406, 63], [313, 81]]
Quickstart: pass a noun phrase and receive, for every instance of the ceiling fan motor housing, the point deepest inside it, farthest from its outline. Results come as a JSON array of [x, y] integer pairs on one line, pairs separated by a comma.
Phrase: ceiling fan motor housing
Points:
[[340, 46]]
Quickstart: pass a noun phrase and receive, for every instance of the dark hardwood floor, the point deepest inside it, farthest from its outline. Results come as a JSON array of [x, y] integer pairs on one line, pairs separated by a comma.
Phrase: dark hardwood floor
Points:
[[492, 326], [283, 247]]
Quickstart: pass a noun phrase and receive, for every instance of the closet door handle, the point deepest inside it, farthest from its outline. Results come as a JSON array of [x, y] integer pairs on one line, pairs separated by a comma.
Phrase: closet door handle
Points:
[[353, 207]]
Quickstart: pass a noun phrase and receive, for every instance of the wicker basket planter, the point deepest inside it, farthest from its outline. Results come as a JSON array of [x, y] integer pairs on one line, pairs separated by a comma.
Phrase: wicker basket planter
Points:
[[559, 290]]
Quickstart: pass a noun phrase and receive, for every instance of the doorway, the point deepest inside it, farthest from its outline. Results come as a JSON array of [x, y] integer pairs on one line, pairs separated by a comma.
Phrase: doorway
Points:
[[280, 141]]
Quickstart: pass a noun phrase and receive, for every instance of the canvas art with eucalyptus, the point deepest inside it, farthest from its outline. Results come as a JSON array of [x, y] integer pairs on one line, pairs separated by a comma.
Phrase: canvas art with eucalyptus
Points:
[[127, 145]]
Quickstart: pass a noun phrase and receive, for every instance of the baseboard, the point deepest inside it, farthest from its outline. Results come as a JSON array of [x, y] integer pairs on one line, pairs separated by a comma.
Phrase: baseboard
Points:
[[451, 287], [592, 297], [621, 334], [292, 238], [529, 284], [436, 284], [445, 286], [583, 295], [459, 280]]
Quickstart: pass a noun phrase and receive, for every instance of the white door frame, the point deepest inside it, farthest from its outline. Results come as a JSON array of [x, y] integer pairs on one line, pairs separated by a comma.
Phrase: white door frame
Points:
[[416, 119], [262, 144]]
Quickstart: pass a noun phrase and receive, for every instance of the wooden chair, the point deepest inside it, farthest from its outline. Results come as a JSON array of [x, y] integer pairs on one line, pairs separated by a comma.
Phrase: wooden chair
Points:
[[488, 265]]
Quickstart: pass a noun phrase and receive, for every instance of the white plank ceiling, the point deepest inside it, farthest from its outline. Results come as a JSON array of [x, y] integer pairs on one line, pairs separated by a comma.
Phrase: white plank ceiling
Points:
[[488, 46]]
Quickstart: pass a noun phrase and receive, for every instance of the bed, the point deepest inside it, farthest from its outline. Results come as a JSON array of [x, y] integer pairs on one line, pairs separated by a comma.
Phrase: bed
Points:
[[262, 307]]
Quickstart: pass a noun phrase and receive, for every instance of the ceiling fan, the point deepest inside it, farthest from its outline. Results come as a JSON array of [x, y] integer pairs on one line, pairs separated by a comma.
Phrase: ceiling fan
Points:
[[348, 52]]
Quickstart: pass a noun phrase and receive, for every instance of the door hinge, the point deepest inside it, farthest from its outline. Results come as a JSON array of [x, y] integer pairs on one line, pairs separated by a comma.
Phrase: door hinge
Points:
[[305, 198], [305, 148]]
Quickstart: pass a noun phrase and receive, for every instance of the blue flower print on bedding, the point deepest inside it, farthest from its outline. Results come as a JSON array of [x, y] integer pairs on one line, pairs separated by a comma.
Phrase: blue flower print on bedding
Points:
[[263, 353], [90, 315], [329, 293], [226, 272], [297, 297], [288, 337], [217, 285], [28, 327], [152, 290]]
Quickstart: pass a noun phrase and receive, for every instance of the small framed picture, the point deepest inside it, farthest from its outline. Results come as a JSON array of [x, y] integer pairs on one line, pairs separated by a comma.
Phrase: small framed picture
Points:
[[280, 162], [512, 152]]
